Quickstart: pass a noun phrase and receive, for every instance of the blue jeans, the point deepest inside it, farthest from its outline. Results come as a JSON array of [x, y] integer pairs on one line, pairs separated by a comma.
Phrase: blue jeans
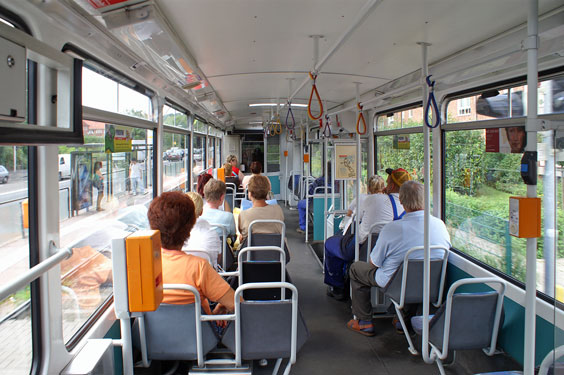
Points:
[[135, 184], [302, 213]]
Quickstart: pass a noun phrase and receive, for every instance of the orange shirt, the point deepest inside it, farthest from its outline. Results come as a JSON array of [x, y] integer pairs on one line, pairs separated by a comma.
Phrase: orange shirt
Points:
[[182, 268]]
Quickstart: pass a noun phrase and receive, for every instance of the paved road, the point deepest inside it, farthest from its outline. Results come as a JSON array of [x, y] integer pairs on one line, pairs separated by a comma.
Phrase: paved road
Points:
[[16, 189]]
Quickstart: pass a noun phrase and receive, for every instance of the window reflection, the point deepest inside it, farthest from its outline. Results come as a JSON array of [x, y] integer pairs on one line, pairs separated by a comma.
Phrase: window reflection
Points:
[[99, 189]]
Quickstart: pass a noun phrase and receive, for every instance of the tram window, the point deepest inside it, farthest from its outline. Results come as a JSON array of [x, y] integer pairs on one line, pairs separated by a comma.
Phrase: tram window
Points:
[[273, 153], [199, 155], [15, 318], [101, 197], [211, 152], [478, 187], [218, 151], [175, 161], [351, 188], [408, 118], [507, 102], [175, 118], [316, 157], [200, 126], [106, 94], [401, 151]]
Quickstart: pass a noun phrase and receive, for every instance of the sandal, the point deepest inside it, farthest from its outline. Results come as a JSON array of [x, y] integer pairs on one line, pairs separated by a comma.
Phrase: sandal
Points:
[[363, 329]]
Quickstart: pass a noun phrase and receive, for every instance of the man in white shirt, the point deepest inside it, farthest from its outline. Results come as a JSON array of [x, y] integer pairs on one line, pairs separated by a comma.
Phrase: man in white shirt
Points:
[[395, 239], [203, 241], [135, 177], [214, 191]]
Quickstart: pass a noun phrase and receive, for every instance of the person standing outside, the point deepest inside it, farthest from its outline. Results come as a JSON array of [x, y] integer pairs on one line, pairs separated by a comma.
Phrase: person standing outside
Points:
[[135, 176], [99, 184]]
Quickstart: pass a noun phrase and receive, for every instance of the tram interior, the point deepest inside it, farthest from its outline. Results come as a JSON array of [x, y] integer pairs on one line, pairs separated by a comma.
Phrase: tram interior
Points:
[[108, 104]]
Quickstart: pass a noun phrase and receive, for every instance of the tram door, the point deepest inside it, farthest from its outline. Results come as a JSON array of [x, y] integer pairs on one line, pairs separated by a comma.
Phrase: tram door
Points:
[[273, 158]]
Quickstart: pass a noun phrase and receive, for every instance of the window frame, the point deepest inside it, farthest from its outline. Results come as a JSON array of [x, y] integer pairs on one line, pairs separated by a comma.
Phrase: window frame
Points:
[[491, 124]]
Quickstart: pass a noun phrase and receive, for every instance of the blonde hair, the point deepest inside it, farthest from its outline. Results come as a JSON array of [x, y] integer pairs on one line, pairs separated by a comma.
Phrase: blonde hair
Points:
[[228, 169], [198, 202], [376, 184], [411, 195], [259, 187], [230, 158]]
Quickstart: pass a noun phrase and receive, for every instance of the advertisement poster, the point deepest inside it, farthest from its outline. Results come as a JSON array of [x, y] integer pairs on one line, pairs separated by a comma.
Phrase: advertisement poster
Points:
[[345, 168], [401, 142], [506, 140], [117, 139], [81, 187]]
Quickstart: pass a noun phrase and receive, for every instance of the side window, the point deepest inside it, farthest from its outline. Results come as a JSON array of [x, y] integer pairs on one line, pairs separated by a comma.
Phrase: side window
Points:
[[15, 317]]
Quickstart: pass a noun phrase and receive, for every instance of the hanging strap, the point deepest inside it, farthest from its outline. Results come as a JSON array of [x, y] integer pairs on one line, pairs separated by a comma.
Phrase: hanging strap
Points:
[[338, 122], [431, 101], [290, 112], [360, 117], [313, 77], [394, 208], [327, 129]]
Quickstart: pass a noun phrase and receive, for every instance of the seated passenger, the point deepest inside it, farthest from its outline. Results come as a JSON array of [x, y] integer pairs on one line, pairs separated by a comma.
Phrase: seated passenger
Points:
[[203, 237], [319, 182], [376, 207], [232, 160], [174, 216], [259, 187], [215, 195], [256, 169], [203, 179], [395, 239], [229, 177]]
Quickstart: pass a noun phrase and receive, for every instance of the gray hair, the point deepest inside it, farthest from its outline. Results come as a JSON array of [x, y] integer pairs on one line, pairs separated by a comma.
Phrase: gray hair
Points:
[[411, 195]]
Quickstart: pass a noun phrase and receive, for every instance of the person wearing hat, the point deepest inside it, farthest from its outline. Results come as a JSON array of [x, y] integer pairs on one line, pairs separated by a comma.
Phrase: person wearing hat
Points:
[[395, 239]]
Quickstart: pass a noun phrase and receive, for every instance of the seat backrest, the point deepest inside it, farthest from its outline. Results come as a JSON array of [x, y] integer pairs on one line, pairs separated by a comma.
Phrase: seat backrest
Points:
[[267, 239], [413, 289], [170, 332], [258, 271], [472, 321], [266, 327]]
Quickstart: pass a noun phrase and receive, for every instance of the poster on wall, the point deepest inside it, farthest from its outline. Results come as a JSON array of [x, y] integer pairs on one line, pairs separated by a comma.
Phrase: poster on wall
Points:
[[506, 140], [117, 139], [81, 187], [401, 142], [345, 168]]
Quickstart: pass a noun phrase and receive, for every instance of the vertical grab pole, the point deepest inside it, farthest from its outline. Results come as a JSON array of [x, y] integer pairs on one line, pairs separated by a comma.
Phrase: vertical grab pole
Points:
[[333, 189], [532, 82], [326, 171], [426, 237], [358, 173], [306, 185], [315, 58]]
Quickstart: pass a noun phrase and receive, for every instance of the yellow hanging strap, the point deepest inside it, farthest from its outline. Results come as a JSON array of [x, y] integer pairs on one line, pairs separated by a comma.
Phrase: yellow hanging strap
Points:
[[313, 77], [360, 117]]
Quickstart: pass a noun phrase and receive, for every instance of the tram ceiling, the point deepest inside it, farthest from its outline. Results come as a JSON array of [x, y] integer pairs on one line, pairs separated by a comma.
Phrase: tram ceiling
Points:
[[252, 37]]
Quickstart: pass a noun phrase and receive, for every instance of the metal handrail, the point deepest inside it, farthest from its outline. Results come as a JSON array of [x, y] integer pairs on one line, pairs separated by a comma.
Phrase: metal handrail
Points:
[[36, 271]]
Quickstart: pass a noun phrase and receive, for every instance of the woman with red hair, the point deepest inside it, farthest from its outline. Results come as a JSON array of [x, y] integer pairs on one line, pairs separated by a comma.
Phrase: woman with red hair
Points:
[[173, 214]]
